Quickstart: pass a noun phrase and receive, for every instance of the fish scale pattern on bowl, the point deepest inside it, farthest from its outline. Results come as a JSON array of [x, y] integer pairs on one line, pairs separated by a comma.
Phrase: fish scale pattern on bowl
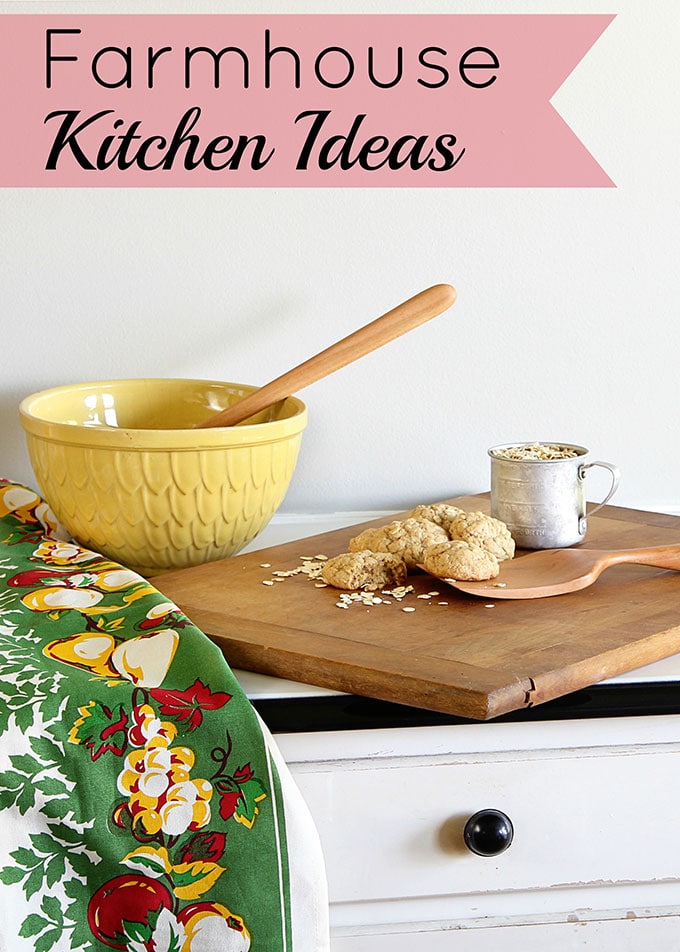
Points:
[[163, 499]]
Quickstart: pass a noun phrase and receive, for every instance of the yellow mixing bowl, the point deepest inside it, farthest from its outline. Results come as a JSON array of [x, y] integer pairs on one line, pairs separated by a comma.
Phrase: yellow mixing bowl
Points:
[[126, 475]]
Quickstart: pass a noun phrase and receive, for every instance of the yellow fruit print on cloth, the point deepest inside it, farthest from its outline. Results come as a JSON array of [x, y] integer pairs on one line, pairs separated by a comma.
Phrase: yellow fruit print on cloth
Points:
[[144, 660], [148, 811]]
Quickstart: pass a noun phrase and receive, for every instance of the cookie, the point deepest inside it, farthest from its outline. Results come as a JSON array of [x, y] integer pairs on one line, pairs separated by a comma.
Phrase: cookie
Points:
[[439, 512], [364, 570], [406, 538], [460, 560], [479, 529]]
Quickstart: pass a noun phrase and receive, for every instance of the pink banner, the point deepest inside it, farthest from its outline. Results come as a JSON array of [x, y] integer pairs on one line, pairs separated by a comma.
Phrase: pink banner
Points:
[[291, 100]]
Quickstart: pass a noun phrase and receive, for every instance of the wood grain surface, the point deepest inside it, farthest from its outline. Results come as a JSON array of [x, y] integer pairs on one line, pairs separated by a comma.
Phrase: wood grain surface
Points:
[[462, 657]]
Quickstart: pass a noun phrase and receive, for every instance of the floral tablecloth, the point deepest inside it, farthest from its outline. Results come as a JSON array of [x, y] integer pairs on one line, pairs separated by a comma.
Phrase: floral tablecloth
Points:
[[143, 805]]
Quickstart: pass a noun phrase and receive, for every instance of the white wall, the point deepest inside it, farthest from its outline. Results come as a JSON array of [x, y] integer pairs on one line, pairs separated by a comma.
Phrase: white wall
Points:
[[566, 326]]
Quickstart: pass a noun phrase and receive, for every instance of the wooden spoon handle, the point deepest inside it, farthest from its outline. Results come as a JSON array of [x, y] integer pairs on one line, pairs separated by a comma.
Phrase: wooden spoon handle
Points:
[[418, 309], [661, 556]]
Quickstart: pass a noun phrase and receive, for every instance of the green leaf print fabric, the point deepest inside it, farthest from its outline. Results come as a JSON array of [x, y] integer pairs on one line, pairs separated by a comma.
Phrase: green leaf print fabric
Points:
[[143, 805]]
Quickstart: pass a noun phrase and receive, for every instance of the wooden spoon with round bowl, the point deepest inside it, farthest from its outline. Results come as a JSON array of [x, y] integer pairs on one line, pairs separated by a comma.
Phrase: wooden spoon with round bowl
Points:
[[559, 571], [418, 309]]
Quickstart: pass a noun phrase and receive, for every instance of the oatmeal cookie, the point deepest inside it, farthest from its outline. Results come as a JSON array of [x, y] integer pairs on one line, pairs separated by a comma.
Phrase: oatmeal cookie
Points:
[[406, 538], [364, 570], [440, 512], [479, 529], [460, 560]]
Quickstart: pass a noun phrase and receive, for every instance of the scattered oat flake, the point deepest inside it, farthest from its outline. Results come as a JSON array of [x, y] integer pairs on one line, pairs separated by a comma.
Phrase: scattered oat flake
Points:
[[499, 585], [320, 585], [489, 606], [321, 558], [267, 581], [265, 565], [408, 608], [442, 603], [423, 596]]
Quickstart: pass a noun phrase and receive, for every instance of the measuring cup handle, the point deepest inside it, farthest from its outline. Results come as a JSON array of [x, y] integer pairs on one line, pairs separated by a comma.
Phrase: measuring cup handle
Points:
[[616, 477]]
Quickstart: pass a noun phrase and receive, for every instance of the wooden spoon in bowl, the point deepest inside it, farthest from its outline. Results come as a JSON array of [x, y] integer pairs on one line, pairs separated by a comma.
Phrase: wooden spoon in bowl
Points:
[[418, 309], [559, 571]]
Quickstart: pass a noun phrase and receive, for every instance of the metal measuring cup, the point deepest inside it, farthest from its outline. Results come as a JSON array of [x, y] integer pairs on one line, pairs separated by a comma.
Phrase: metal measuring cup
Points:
[[542, 500]]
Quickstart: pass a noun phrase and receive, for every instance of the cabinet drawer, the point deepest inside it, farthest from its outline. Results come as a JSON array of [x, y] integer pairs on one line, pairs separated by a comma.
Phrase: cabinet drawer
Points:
[[396, 830], [626, 935]]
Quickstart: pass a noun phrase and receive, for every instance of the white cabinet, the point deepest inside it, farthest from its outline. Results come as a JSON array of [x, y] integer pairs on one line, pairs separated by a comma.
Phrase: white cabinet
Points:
[[627, 935], [595, 858]]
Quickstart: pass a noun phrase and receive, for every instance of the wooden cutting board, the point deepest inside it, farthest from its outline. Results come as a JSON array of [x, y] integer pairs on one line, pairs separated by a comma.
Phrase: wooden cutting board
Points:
[[467, 657]]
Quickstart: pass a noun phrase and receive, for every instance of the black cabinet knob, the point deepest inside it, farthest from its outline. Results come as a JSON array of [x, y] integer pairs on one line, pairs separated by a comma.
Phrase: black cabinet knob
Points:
[[488, 833]]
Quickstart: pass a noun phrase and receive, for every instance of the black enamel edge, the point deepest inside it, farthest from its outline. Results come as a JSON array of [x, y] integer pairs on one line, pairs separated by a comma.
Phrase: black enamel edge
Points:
[[351, 712]]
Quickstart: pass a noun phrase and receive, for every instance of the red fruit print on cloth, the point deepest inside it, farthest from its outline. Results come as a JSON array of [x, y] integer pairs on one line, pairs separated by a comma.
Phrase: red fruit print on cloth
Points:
[[189, 705]]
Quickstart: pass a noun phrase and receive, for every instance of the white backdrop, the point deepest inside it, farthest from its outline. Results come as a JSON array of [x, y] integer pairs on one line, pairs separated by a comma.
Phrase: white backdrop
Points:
[[566, 326]]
